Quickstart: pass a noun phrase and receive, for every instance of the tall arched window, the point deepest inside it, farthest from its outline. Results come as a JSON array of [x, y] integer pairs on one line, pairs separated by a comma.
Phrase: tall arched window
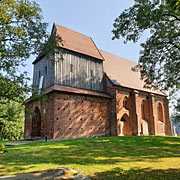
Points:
[[160, 112], [125, 103], [143, 109]]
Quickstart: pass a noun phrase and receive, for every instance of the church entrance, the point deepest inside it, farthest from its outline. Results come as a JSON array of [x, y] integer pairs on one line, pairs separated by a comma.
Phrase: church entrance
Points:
[[125, 126], [36, 123]]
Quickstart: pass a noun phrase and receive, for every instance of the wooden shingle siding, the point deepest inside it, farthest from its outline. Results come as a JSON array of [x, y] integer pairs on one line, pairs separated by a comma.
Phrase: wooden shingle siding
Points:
[[40, 66], [80, 77]]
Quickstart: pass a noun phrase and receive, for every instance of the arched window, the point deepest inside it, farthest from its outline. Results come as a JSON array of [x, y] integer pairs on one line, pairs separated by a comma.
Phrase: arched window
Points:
[[125, 103], [143, 109], [160, 112]]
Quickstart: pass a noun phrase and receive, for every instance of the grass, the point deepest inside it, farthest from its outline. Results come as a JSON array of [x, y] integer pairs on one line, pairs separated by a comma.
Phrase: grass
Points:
[[121, 158]]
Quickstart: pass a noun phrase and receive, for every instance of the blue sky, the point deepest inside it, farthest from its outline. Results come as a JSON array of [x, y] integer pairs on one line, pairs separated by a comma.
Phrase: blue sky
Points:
[[93, 18]]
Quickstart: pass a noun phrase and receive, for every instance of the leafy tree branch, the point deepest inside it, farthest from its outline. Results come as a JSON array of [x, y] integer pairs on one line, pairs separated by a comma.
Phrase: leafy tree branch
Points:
[[159, 56]]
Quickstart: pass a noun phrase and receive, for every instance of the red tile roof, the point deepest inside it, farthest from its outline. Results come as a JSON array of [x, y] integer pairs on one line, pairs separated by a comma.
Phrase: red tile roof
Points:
[[77, 42], [119, 70]]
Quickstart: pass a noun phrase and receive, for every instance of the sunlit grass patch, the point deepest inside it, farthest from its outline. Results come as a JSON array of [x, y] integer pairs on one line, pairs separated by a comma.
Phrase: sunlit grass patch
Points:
[[109, 158]]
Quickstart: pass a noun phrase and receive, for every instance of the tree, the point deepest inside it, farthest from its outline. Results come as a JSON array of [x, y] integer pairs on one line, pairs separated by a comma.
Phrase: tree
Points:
[[22, 33], [174, 4], [159, 56]]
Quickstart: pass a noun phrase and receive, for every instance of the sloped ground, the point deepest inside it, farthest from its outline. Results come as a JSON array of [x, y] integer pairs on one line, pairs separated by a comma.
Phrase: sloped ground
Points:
[[126, 158]]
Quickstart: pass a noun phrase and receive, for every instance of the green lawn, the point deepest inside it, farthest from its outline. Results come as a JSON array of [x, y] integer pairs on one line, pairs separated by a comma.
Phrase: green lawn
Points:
[[152, 157]]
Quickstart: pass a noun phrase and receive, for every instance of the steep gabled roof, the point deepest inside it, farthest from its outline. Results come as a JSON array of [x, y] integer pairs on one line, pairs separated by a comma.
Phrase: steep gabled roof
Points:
[[119, 71], [77, 42]]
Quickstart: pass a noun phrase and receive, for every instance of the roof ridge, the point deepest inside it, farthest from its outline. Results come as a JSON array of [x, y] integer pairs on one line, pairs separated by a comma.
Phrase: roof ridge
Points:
[[73, 30]]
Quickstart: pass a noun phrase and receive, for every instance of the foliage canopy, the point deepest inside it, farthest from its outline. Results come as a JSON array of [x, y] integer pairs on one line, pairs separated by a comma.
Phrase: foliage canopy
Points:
[[22, 34], [159, 56]]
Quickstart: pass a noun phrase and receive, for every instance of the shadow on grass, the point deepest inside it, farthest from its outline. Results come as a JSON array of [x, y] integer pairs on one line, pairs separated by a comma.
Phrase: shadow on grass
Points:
[[100, 151], [138, 174], [114, 174], [50, 174]]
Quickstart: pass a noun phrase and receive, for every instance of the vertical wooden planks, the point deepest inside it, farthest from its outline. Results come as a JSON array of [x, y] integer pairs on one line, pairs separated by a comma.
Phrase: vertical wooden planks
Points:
[[59, 72], [40, 66]]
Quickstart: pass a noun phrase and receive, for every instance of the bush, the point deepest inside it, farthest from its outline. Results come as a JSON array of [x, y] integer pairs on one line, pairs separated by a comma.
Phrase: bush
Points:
[[2, 147], [12, 130], [11, 121]]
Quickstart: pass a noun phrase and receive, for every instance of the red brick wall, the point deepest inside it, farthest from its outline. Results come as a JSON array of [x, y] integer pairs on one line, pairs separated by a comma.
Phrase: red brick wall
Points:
[[77, 115], [136, 124], [46, 109], [143, 122], [113, 114], [123, 112], [164, 126], [66, 115], [168, 126], [71, 116]]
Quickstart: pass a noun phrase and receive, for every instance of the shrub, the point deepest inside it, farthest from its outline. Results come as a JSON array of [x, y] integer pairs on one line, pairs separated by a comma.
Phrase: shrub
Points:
[[12, 130], [11, 121], [2, 147]]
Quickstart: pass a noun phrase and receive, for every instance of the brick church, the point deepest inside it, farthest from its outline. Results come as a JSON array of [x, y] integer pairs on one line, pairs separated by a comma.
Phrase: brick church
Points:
[[92, 93]]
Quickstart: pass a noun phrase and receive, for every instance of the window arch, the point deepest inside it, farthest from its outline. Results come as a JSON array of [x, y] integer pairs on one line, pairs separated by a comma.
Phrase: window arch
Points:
[[143, 109], [160, 112], [125, 103]]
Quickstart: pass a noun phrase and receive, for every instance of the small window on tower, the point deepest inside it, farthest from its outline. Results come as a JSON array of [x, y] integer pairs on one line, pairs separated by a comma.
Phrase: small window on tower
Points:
[[41, 82], [92, 74], [71, 68], [46, 70]]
